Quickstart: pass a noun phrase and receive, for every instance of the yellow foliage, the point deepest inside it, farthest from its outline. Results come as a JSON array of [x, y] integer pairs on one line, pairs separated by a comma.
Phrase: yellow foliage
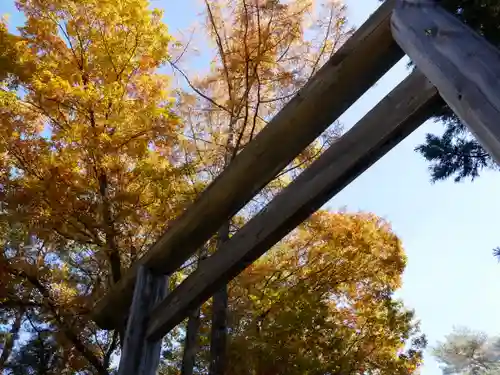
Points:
[[321, 302], [99, 155], [88, 124], [90, 169], [263, 53]]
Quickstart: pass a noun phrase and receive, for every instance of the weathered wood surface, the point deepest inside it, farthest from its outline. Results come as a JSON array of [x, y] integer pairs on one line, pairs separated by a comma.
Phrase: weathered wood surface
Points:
[[141, 356], [459, 62], [364, 58], [396, 116]]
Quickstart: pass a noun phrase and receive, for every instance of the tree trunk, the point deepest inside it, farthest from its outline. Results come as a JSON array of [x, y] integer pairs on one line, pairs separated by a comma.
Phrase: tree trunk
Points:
[[193, 326], [218, 337], [191, 343], [219, 319], [11, 339]]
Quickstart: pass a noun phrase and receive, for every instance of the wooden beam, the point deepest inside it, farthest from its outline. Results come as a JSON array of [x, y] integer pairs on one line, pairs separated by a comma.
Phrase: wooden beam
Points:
[[141, 356], [459, 62], [358, 64], [396, 116]]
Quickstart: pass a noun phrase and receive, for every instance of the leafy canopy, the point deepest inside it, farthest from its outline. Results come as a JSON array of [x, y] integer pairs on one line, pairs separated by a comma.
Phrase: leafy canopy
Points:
[[321, 302], [90, 172], [98, 158]]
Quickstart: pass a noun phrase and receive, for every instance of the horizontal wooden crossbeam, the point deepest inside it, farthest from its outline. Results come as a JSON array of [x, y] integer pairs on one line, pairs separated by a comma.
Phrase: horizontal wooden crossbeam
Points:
[[395, 117], [359, 63]]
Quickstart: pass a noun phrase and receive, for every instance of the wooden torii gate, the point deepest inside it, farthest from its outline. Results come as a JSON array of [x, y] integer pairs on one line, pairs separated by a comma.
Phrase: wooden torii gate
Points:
[[453, 63]]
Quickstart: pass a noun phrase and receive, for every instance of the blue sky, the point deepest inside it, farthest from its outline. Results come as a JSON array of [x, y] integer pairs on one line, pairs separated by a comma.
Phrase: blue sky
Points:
[[447, 229]]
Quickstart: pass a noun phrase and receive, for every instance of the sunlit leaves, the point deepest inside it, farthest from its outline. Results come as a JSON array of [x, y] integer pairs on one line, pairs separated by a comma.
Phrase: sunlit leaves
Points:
[[321, 302], [262, 53], [90, 122], [90, 165], [97, 159]]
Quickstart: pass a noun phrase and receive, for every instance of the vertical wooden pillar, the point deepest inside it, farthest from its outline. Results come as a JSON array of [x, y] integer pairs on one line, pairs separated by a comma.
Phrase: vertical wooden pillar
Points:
[[463, 66], [141, 356]]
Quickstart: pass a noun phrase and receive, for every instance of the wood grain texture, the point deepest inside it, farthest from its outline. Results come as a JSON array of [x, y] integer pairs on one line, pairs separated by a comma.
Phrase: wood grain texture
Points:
[[358, 64], [459, 62], [396, 116], [141, 356]]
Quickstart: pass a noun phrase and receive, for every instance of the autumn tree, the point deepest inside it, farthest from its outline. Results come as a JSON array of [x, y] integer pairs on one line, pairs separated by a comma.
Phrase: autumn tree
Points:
[[468, 352], [320, 302], [262, 53], [89, 173], [95, 164], [40, 354]]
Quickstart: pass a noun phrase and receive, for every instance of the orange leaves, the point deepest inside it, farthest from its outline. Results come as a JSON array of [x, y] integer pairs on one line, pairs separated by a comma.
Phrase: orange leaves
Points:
[[262, 53], [89, 162], [98, 158], [320, 302], [88, 144]]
